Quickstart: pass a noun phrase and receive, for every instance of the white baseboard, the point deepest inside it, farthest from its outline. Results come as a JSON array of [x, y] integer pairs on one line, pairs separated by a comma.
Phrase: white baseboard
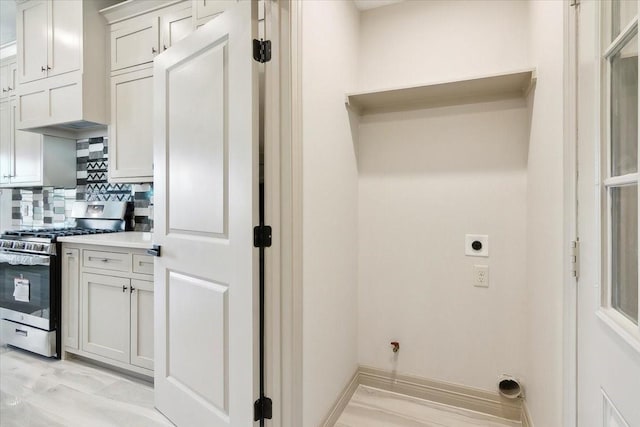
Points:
[[342, 401], [473, 399]]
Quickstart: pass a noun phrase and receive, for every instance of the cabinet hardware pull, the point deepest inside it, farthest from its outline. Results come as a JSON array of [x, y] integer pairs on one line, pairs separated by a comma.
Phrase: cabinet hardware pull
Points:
[[43, 69], [9, 88], [131, 289], [48, 68], [21, 332], [4, 90], [124, 288], [164, 46], [68, 253], [153, 50]]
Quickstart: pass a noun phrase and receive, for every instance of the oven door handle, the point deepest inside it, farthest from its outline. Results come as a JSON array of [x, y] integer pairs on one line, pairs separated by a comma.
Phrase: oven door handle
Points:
[[24, 259]]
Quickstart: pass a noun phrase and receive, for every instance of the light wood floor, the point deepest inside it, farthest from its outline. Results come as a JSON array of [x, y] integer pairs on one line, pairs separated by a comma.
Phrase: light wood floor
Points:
[[36, 392], [371, 407]]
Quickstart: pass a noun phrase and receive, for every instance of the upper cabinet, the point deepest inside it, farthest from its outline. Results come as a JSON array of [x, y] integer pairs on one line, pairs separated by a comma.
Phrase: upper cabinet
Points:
[[61, 66], [138, 31], [135, 39], [205, 10], [29, 159], [7, 77], [51, 37]]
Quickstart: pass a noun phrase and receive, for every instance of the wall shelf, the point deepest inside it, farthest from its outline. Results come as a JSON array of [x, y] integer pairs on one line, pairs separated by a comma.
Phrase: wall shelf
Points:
[[515, 84]]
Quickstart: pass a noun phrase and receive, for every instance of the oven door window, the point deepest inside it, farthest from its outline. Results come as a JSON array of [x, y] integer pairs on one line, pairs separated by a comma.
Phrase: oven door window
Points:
[[25, 289]]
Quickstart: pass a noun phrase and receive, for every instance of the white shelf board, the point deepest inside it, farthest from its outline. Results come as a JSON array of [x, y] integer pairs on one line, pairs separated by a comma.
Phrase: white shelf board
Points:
[[497, 86]]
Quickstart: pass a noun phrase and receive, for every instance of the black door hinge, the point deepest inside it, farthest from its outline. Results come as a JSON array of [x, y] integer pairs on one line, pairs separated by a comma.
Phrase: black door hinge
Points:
[[262, 236], [262, 50], [262, 409]]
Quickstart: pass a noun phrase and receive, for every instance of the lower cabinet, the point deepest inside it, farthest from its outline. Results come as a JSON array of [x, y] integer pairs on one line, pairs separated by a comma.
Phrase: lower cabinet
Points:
[[107, 314]]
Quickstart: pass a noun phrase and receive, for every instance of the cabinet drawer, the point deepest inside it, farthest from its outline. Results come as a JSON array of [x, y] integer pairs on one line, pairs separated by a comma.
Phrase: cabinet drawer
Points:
[[142, 264], [117, 261]]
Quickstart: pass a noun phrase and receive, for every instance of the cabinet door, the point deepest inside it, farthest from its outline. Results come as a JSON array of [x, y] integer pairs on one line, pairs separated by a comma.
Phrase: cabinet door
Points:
[[135, 43], [70, 297], [131, 130], [142, 323], [174, 26], [206, 8], [27, 154], [66, 37], [32, 26], [7, 79], [105, 316], [6, 132]]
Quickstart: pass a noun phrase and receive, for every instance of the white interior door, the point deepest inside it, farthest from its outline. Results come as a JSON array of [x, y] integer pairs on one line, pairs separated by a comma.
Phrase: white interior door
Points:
[[608, 333], [206, 191]]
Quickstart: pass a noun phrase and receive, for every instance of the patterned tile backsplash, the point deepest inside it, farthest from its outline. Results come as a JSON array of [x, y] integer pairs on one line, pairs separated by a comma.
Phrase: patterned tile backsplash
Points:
[[49, 206]]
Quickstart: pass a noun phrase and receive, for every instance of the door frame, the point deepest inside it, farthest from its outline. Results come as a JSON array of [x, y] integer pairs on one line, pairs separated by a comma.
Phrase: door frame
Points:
[[570, 208], [283, 211]]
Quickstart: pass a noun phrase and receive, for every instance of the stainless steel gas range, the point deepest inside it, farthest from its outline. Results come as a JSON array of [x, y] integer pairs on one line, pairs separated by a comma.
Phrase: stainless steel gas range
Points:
[[30, 281]]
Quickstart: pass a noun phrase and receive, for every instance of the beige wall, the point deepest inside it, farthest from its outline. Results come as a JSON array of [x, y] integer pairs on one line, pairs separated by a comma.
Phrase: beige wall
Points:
[[330, 184], [427, 178], [416, 42], [545, 217]]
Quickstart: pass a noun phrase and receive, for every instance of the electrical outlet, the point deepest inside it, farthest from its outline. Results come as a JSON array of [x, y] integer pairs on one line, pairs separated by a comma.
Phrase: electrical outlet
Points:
[[481, 276], [476, 245]]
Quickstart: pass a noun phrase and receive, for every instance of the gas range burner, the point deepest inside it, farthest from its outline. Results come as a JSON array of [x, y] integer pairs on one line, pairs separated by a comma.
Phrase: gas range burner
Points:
[[53, 233]]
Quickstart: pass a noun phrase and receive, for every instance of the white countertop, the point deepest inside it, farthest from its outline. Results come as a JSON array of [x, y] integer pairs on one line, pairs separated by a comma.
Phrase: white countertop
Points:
[[127, 239]]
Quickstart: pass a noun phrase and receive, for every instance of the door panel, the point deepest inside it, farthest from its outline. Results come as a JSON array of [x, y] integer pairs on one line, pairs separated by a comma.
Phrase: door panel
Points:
[[32, 27], [142, 323], [71, 296], [203, 77], [66, 36], [175, 26], [200, 365], [135, 44], [206, 157], [131, 131], [105, 316], [6, 133], [27, 153], [608, 366]]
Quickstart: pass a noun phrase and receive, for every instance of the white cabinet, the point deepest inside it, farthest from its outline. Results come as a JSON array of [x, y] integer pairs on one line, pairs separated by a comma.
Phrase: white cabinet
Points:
[[107, 305], [7, 77], [25, 161], [137, 40], [71, 297], [142, 323], [130, 133], [61, 65], [50, 33], [105, 316], [205, 10], [136, 36]]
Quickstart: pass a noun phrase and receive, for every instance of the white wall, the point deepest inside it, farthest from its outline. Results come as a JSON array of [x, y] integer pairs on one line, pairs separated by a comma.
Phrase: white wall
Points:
[[330, 184], [429, 177], [427, 41], [545, 217]]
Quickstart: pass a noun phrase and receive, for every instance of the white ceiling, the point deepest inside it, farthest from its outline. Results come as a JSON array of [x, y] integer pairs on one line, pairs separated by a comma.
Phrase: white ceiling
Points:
[[371, 4], [7, 21]]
